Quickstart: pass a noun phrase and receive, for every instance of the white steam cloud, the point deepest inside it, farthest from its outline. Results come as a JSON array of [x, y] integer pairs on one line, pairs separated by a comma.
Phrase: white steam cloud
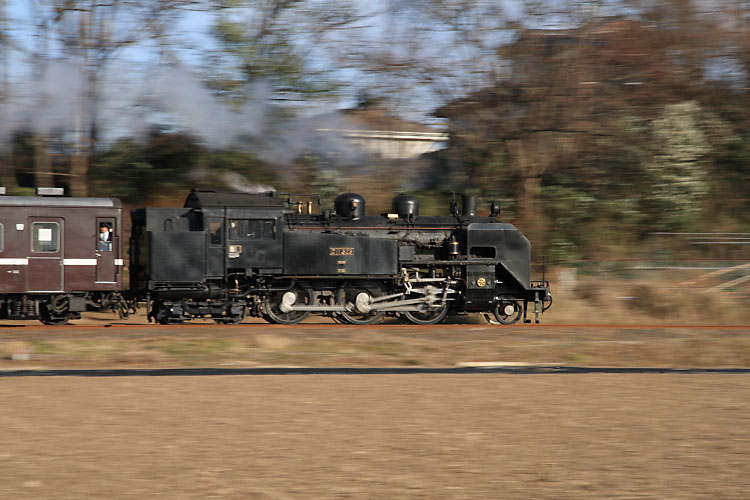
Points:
[[60, 98], [241, 184], [184, 97], [58, 101], [277, 141], [55, 101]]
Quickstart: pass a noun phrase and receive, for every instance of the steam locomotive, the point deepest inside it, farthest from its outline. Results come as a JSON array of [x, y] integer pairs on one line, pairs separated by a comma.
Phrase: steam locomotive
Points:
[[228, 255]]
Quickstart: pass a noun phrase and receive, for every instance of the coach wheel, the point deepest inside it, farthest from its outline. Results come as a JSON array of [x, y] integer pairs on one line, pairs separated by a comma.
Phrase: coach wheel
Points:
[[48, 319], [297, 295], [54, 320], [56, 311], [358, 296], [429, 316], [507, 312]]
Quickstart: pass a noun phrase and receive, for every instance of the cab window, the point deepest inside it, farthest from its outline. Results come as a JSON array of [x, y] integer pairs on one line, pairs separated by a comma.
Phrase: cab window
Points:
[[259, 229], [216, 228]]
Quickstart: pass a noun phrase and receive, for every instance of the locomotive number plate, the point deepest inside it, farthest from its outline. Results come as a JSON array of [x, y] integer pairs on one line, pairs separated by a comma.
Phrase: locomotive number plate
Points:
[[341, 251]]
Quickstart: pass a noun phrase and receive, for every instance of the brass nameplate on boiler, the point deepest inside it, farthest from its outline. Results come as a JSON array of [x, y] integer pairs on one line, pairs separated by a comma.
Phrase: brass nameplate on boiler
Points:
[[341, 251]]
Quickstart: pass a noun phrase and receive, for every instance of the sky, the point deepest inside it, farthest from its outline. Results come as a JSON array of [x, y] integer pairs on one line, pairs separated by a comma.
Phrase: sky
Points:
[[140, 89]]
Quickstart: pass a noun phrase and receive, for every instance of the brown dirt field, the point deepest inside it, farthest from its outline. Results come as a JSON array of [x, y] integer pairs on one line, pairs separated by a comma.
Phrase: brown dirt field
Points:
[[674, 436], [456, 436]]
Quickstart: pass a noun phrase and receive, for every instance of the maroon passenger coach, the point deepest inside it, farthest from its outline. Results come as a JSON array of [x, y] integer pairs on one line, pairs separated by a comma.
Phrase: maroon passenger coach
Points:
[[58, 255]]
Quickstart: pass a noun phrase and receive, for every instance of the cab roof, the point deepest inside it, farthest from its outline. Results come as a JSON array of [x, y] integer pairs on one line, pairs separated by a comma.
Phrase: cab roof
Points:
[[205, 199]]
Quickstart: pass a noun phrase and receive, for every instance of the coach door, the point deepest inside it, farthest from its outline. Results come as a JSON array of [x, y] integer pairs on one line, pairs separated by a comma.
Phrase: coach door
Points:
[[45, 273], [106, 250]]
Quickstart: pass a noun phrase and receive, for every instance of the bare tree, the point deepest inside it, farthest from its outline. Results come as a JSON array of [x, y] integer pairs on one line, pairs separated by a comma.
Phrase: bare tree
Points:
[[575, 94], [90, 34], [7, 172]]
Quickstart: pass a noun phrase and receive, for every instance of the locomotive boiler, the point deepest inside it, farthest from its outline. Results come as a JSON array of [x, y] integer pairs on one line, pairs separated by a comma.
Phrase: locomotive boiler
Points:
[[227, 255]]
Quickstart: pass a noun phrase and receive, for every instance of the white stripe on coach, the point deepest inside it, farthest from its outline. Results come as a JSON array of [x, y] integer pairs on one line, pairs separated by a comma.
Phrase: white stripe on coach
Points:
[[79, 262], [14, 262], [67, 262]]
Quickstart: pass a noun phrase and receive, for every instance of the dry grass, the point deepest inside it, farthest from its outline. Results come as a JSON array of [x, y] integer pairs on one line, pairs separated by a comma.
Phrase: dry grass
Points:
[[635, 300], [319, 342]]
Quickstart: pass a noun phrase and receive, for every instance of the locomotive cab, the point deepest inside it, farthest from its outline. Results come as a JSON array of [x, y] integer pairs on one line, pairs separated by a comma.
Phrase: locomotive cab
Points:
[[201, 251]]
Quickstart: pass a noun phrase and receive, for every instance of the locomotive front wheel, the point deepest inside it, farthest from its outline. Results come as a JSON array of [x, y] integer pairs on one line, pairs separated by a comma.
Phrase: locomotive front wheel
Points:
[[272, 306], [358, 296], [507, 312], [547, 302]]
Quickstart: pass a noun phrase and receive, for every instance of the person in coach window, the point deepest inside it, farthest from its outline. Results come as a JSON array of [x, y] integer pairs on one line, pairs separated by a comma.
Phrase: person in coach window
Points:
[[105, 237]]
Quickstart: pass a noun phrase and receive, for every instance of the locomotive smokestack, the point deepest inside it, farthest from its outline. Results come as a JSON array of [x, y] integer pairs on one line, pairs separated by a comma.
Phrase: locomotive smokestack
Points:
[[469, 203]]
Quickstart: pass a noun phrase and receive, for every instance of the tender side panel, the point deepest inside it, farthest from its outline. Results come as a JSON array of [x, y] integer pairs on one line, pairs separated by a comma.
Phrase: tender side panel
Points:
[[167, 245], [177, 256]]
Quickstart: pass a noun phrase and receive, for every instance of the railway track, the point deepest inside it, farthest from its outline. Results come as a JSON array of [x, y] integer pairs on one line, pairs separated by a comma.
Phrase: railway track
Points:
[[389, 326], [516, 370]]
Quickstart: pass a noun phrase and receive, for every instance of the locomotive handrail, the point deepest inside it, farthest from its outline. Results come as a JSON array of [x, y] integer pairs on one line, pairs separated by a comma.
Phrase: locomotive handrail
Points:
[[539, 284], [246, 292]]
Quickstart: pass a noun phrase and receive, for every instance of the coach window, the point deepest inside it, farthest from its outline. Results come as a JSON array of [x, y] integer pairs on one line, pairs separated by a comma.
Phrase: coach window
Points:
[[45, 237]]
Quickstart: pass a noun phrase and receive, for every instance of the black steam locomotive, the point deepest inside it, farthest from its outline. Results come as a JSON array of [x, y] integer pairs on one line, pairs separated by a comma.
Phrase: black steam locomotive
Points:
[[227, 256]]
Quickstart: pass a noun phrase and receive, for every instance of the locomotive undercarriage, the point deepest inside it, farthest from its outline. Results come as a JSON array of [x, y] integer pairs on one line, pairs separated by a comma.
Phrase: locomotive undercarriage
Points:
[[358, 302], [418, 296]]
